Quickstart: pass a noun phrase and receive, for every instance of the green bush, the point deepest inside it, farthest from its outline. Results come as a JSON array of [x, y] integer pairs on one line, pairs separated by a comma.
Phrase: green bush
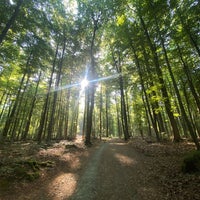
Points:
[[191, 162]]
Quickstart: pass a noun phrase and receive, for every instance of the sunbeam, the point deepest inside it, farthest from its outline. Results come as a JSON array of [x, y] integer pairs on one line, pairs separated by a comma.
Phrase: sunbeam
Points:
[[105, 78], [85, 82]]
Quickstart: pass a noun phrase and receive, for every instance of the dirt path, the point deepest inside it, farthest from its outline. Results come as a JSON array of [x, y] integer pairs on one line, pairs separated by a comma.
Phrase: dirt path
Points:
[[112, 170], [114, 173]]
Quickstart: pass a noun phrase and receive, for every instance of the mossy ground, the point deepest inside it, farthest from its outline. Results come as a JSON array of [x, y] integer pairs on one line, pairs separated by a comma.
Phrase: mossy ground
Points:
[[191, 162]]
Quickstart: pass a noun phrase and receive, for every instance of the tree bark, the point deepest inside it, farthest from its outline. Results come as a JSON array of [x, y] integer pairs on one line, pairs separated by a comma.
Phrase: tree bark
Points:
[[11, 21], [190, 82], [165, 95], [124, 118], [100, 112], [24, 136], [55, 96], [45, 106], [153, 119], [107, 117], [91, 87], [186, 119]]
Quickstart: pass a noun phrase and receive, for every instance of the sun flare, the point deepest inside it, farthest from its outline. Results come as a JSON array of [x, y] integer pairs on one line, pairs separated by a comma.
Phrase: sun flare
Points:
[[84, 84]]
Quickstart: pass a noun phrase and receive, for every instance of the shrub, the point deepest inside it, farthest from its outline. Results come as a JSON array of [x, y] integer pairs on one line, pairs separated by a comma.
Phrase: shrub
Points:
[[191, 162]]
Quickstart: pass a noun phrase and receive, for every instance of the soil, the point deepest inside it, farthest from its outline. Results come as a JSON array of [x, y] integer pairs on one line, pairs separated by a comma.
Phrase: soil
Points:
[[111, 169]]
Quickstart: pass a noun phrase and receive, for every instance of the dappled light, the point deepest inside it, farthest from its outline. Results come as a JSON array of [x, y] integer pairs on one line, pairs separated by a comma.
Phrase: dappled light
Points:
[[63, 186], [125, 160], [99, 99]]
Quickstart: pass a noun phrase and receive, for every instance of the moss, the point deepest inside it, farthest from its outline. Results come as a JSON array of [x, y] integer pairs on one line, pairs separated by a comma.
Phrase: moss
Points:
[[4, 184], [32, 164], [23, 170], [32, 176], [25, 173], [46, 164], [191, 162]]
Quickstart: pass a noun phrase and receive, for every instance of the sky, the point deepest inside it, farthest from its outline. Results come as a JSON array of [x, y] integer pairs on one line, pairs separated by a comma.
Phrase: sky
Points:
[[71, 6]]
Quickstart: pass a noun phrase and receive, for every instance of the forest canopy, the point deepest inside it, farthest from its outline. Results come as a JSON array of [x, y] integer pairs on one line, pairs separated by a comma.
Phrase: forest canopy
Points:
[[141, 60]]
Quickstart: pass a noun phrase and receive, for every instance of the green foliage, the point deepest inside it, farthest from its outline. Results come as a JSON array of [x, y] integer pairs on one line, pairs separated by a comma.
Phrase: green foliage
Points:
[[43, 26], [23, 170], [191, 162]]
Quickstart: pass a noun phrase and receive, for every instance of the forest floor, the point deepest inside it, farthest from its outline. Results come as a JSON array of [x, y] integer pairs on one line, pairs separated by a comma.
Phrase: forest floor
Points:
[[111, 169]]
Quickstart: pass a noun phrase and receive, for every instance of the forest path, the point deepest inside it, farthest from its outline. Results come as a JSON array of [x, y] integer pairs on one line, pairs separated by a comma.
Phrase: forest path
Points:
[[110, 170], [113, 173]]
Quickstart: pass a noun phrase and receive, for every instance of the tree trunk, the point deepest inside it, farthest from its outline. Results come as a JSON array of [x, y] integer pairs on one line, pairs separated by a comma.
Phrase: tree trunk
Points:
[[24, 136], [67, 114], [128, 114], [118, 118], [153, 119], [89, 114], [192, 40], [10, 118], [45, 107], [91, 87], [123, 111], [124, 118], [55, 96], [11, 21], [190, 82], [167, 103], [5, 100], [186, 119], [19, 111], [107, 117], [157, 120], [100, 112]]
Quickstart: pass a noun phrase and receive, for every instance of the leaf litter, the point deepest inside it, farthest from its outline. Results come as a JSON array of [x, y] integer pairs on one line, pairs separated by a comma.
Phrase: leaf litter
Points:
[[61, 164]]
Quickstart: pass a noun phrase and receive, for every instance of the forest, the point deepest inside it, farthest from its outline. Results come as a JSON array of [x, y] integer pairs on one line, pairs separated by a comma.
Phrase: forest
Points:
[[139, 58], [99, 69]]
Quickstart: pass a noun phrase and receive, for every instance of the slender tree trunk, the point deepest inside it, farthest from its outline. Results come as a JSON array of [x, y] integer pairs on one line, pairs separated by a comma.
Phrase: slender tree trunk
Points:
[[190, 82], [11, 21], [22, 115], [84, 116], [124, 118], [61, 116], [55, 96], [19, 110], [128, 114], [6, 100], [186, 119], [118, 118], [187, 30], [147, 115], [157, 120], [24, 136], [123, 110], [91, 87], [10, 118], [67, 114], [89, 113], [165, 95], [107, 117], [100, 112], [74, 119], [153, 119], [45, 107]]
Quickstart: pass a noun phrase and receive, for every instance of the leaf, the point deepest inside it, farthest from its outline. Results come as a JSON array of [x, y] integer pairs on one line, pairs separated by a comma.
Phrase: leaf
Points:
[[120, 20]]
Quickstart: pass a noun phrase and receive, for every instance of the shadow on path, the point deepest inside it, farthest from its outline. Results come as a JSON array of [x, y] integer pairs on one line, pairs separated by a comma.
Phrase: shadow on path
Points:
[[109, 174]]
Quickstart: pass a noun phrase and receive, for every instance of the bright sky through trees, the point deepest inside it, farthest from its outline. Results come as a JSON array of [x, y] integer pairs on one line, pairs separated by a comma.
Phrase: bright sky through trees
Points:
[[145, 54], [84, 83], [70, 6]]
